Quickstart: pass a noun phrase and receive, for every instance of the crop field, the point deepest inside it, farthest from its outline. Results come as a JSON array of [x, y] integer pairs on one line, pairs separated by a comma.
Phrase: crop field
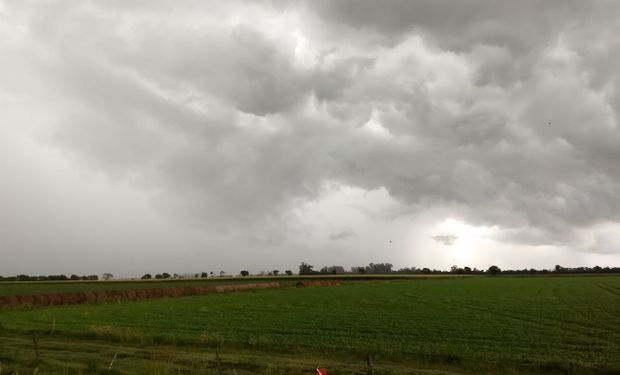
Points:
[[41, 287], [460, 325]]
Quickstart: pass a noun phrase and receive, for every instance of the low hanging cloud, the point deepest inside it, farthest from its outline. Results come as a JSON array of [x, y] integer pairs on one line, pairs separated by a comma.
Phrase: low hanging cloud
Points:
[[342, 235], [230, 116], [445, 239]]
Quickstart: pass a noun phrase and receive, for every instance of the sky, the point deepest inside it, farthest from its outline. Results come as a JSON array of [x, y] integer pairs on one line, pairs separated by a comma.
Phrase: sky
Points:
[[182, 137]]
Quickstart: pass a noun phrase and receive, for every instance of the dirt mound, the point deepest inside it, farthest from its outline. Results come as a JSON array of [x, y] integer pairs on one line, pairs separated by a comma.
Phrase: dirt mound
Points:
[[90, 297], [71, 298], [25, 300], [52, 299], [40, 299], [306, 283]]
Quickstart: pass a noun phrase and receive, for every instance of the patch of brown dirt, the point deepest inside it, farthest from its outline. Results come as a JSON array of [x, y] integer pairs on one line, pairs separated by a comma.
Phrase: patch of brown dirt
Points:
[[307, 283], [52, 299]]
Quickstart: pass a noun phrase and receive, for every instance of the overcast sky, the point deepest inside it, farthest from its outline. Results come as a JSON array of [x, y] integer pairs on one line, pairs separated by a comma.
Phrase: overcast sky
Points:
[[152, 136]]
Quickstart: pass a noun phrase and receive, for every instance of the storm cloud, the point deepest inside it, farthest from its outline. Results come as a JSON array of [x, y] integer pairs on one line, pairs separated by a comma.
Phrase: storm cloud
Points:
[[342, 235], [445, 239], [238, 121]]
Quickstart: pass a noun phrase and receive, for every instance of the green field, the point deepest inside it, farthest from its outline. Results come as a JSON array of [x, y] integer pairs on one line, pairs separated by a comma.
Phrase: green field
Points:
[[40, 287], [471, 325]]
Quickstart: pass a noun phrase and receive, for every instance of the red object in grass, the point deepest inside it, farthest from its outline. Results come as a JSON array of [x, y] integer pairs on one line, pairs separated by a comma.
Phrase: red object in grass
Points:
[[321, 371]]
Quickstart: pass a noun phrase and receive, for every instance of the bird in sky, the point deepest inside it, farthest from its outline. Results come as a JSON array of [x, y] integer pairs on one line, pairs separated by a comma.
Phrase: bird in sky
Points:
[[548, 122]]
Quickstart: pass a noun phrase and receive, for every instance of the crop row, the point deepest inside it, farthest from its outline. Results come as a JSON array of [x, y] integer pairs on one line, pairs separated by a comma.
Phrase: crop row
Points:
[[514, 322]]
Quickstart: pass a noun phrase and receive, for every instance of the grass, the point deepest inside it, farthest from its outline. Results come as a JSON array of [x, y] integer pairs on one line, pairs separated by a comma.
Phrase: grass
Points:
[[510, 325], [38, 287], [88, 357]]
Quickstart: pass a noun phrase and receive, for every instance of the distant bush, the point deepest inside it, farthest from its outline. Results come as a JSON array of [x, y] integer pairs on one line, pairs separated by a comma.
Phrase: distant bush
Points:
[[306, 269], [23, 277], [494, 270]]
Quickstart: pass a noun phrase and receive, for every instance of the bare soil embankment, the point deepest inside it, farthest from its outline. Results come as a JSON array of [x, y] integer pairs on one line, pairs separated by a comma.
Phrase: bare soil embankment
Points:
[[52, 299]]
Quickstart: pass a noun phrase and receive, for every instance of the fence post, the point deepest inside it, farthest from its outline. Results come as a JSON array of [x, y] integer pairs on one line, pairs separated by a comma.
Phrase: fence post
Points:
[[370, 365], [35, 341]]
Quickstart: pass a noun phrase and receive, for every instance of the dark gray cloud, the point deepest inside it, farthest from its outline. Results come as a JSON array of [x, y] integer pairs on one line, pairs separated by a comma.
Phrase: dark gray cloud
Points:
[[230, 116], [445, 239], [342, 235]]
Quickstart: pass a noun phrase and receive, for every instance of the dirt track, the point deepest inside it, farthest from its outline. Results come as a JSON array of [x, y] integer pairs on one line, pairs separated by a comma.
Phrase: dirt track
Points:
[[51, 299]]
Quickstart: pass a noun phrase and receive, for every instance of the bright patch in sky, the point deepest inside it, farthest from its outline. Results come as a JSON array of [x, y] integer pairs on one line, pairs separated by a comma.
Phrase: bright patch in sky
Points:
[[461, 240]]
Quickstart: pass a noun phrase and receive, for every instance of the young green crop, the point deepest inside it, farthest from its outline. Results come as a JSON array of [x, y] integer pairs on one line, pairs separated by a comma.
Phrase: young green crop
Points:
[[42, 287], [534, 324]]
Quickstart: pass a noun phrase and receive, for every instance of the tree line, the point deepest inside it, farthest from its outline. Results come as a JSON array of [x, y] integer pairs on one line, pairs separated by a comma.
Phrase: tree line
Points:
[[370, 269], [48, 278], [388, 268]]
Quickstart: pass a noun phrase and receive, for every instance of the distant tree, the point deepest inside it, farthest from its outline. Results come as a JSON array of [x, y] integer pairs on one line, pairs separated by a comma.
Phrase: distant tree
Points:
[[332, 270], [379, 268], [147, 277], [165, 275], [467, 270], [211, 274], [426, 270], [494, 270], [408, 270], [288, 272], [107, 276], [74, 277], [222, 273], [360, 270], [92, 277], [245, 273], [306, 269], [275, 272], [51, 277], [558, 268], [204, 275]]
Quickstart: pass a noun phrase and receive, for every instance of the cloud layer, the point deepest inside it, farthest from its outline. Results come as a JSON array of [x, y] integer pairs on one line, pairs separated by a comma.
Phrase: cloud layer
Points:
[[231, 117]]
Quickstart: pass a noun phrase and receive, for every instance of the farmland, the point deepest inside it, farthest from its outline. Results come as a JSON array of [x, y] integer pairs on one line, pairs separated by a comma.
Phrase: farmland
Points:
[[37, 287], [470, 325]]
